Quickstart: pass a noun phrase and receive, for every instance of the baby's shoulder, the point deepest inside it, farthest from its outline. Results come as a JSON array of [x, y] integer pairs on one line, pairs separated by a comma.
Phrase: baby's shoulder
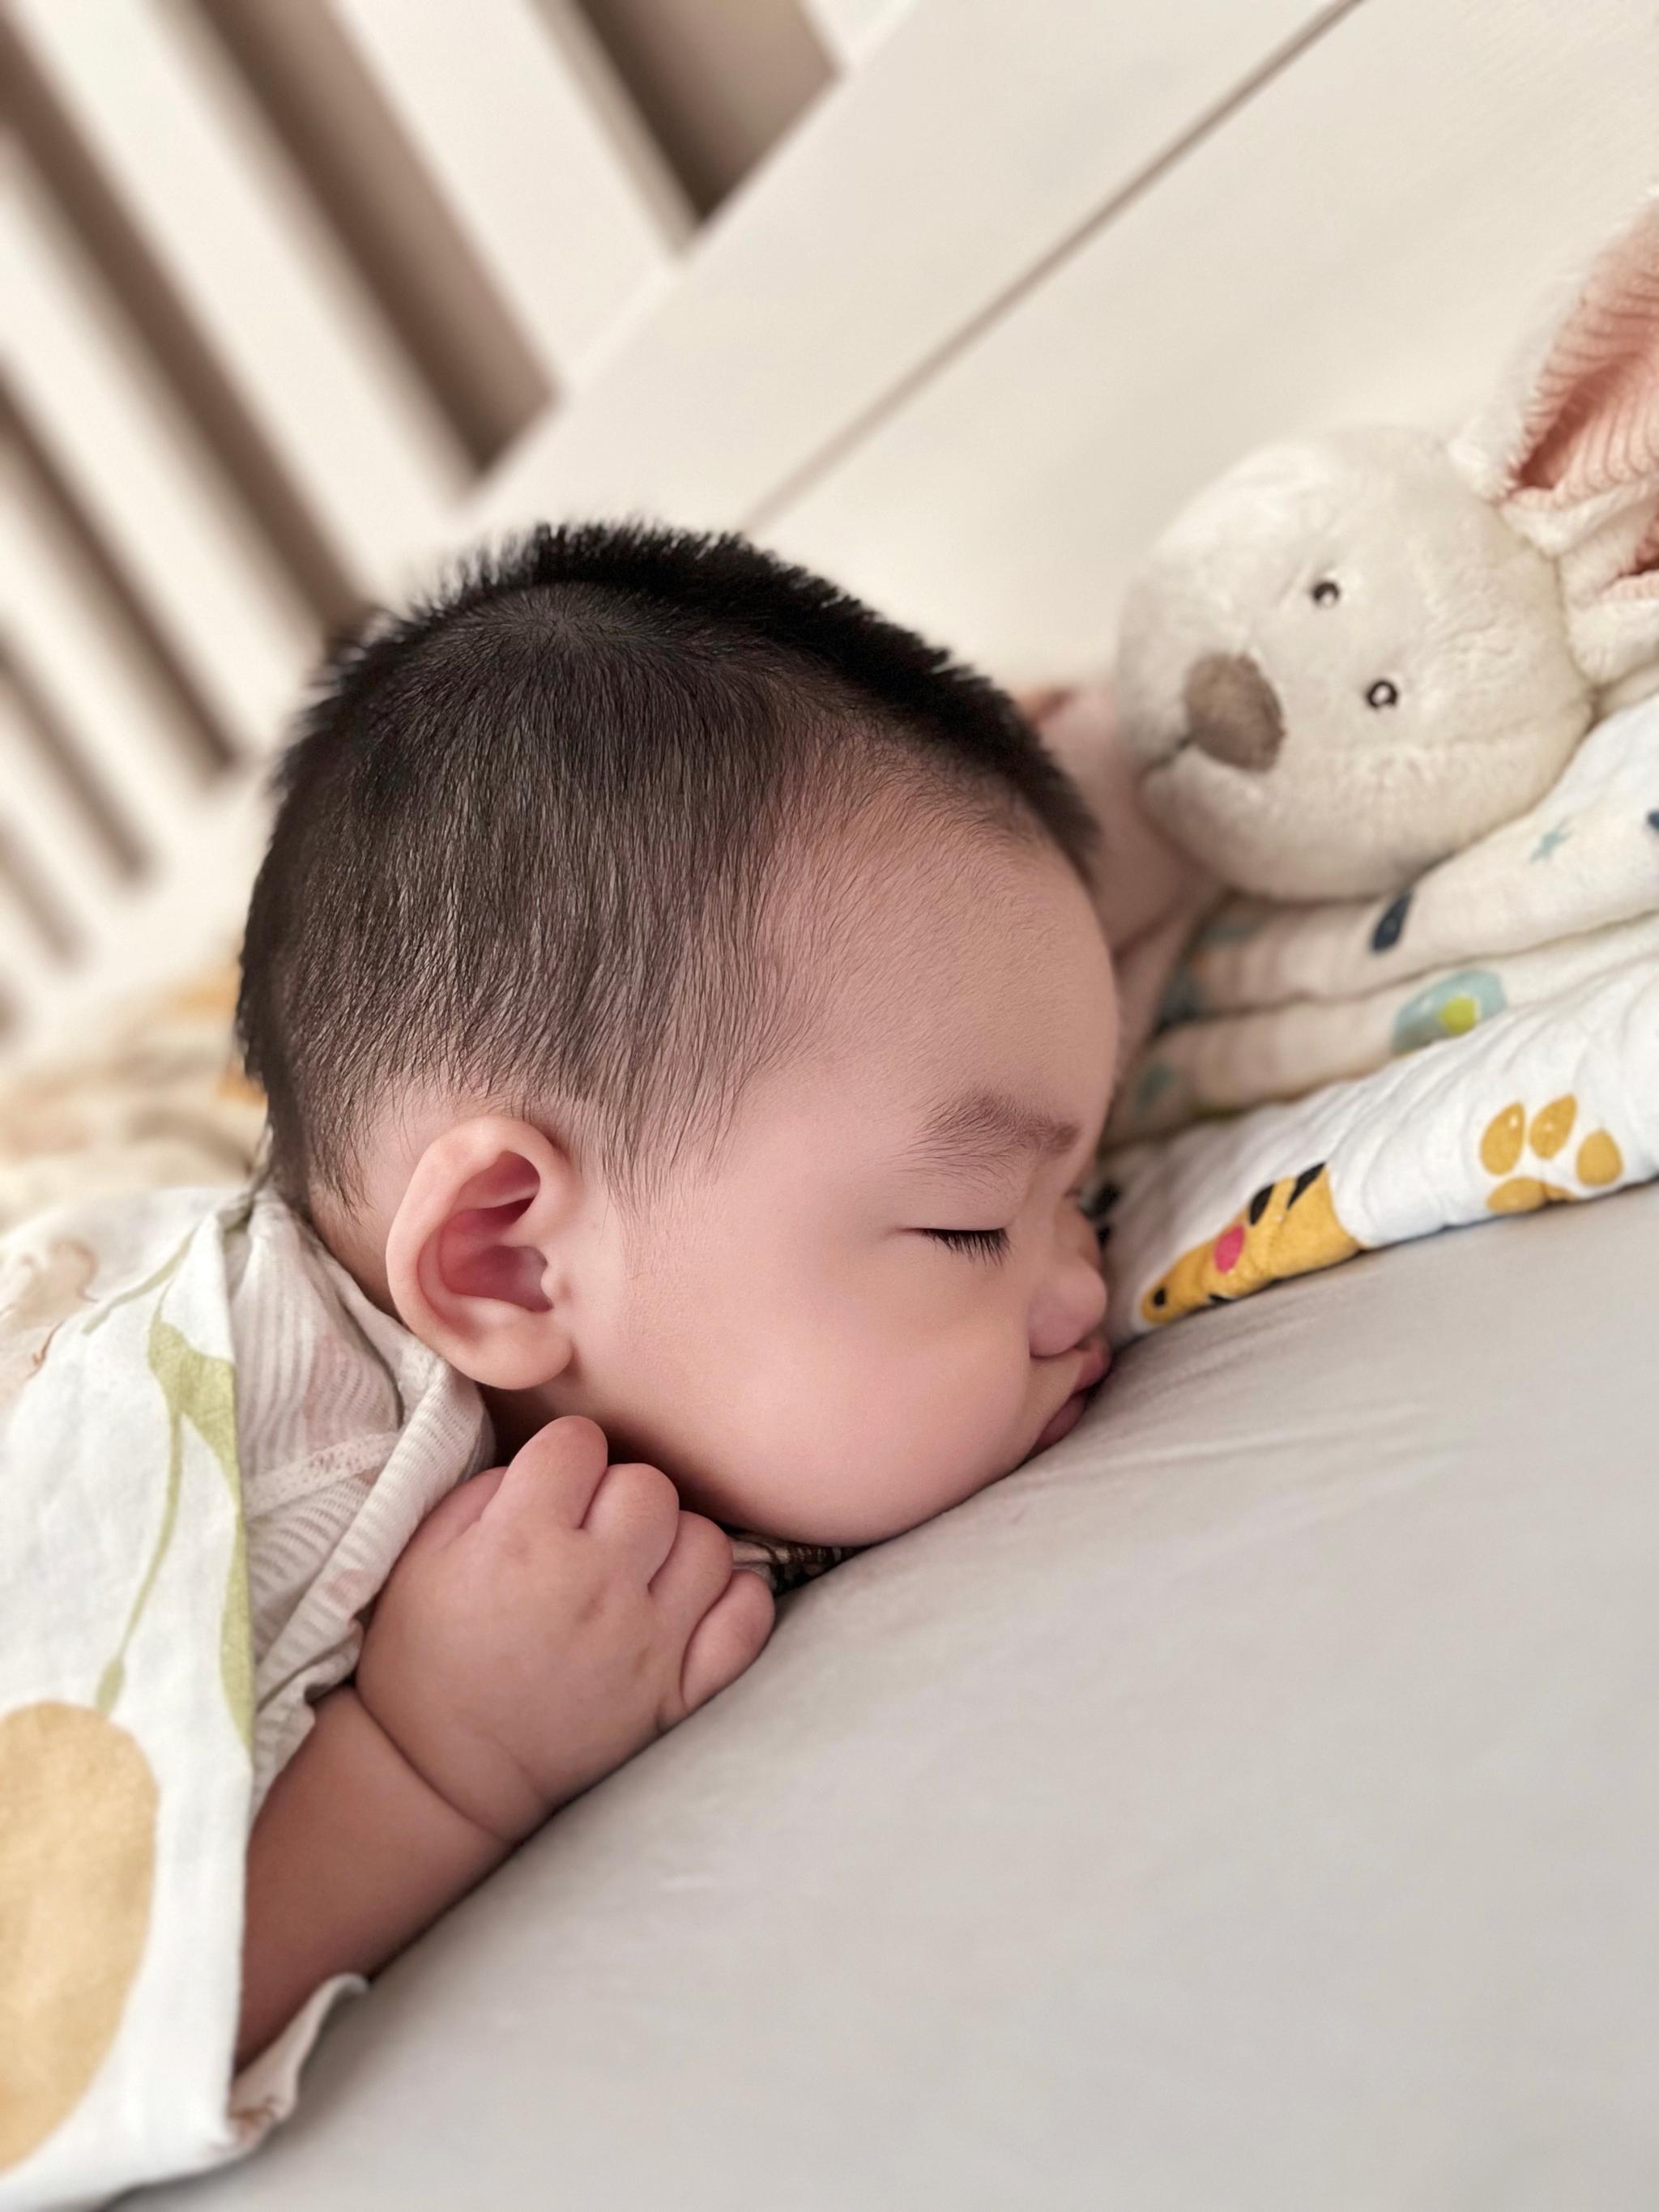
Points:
[[316, 1399], [326, 1382]]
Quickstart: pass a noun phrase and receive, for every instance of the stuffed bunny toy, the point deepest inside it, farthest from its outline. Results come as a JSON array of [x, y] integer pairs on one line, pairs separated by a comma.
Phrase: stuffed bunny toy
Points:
[[1357, 653]]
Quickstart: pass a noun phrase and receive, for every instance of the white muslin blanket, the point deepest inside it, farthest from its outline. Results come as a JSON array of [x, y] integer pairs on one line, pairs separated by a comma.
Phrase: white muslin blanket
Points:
[[1333, 1079], [213, 1449], [124, 1768]]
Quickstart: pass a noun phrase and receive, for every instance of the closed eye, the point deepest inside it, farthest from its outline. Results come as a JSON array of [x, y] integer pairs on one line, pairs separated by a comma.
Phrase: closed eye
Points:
[[979, 1243]]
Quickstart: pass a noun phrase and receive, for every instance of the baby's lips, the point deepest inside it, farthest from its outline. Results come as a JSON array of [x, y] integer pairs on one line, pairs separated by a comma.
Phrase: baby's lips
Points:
[[1096, 1360]]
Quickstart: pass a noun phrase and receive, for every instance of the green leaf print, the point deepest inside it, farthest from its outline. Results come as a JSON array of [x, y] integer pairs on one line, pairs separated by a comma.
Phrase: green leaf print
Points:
[[164, 1274], [202, 1390]]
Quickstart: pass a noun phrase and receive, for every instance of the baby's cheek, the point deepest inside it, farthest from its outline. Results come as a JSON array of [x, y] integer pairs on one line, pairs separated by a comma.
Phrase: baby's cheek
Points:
[[830, 1431], [940, 1431], [831, 1454]]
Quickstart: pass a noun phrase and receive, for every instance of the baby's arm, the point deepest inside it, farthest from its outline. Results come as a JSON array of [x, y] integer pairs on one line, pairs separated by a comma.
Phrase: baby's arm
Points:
[[352, 1855], [546, 1622]]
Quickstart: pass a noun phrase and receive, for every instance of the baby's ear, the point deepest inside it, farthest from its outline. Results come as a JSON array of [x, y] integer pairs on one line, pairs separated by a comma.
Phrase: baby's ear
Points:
[[474, 1255], [1568, 450]]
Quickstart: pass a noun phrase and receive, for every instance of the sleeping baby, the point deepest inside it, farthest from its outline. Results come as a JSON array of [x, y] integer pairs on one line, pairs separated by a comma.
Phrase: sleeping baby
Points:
[[687, 1024]]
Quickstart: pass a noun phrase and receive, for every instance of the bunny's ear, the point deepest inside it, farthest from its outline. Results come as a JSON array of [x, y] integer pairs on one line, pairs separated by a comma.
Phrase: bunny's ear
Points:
[[1568, 450]]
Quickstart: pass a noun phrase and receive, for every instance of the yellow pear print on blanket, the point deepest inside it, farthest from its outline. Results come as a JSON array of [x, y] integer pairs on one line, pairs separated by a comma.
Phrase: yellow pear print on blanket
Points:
[[79, 1799], [1509, 1137], [77, 1864]]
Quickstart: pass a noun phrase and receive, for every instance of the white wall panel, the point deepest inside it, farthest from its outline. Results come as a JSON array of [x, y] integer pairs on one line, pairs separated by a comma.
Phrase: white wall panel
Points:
[[1363, 240], [975, 137]]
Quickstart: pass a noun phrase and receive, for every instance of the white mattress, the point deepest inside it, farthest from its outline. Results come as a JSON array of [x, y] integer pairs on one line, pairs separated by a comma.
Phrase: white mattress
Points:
[[1254, 1803]]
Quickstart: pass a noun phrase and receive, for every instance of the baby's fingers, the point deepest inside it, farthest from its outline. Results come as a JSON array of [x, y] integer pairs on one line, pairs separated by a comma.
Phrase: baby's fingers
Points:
[[729, 1637], [553, 1477], [693, 1572]]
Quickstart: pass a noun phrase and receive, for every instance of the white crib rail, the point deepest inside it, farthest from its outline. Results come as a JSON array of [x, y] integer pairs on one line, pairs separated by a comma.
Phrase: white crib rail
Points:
[[81, 878], [195, 166], [570, 206], [167, 231], [946, 340], [78, 651], [117, 434]]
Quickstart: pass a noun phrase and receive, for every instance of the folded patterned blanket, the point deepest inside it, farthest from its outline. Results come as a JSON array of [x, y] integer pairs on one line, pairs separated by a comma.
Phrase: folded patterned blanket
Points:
[[1331, 1078]]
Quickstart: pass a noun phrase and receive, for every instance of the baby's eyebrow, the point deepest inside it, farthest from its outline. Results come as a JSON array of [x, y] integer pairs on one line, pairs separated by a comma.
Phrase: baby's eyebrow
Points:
[[986, 1127]]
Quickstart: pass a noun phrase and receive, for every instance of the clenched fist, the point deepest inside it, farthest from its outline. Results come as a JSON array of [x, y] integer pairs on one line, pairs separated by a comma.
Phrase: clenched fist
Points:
[[547, 1621]]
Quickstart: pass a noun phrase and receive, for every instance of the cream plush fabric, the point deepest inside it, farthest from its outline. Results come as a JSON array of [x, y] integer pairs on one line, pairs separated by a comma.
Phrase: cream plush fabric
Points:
[[1359, 652]]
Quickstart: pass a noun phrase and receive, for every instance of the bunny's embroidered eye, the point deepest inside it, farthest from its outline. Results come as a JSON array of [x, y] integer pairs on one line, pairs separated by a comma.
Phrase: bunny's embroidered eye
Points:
[[1326, 593], [1383, 694]]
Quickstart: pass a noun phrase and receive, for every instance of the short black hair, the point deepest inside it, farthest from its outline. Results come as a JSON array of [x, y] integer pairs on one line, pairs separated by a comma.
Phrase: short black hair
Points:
[[528, 833]]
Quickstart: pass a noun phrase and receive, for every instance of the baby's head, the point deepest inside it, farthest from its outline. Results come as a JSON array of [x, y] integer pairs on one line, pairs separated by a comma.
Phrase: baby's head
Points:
[[679, 999]]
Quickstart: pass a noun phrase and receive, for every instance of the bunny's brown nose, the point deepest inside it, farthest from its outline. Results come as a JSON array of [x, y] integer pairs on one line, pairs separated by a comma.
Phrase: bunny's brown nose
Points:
[[1233, 712]]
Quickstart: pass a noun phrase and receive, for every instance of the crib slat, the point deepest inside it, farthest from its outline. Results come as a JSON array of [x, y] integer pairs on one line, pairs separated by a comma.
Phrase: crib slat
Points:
[[140, 471], [82, 657], [77, 870], [514, 109], [29, 977], [170, 927], [179, 138], [33, 968], [850, 28]]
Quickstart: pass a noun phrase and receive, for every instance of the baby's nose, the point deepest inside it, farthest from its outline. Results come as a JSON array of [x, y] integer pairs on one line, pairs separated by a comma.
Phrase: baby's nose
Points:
[[1070, 1308]]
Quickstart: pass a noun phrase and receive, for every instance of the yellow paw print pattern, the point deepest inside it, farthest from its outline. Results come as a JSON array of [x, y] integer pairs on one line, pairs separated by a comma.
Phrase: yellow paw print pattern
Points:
[[1507, 1137]]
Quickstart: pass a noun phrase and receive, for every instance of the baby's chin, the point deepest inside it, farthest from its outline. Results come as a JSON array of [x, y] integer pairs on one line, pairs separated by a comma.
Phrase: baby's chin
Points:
[[1059, 1425], [821, 1511], [842, 1482]]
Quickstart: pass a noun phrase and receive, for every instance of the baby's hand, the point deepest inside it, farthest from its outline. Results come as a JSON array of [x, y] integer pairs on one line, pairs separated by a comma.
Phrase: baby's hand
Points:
[[546, 1622]]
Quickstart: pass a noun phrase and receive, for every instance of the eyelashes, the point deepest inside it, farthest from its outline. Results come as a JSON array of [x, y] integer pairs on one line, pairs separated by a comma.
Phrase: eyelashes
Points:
[[984, 1244], [977, 1244]]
